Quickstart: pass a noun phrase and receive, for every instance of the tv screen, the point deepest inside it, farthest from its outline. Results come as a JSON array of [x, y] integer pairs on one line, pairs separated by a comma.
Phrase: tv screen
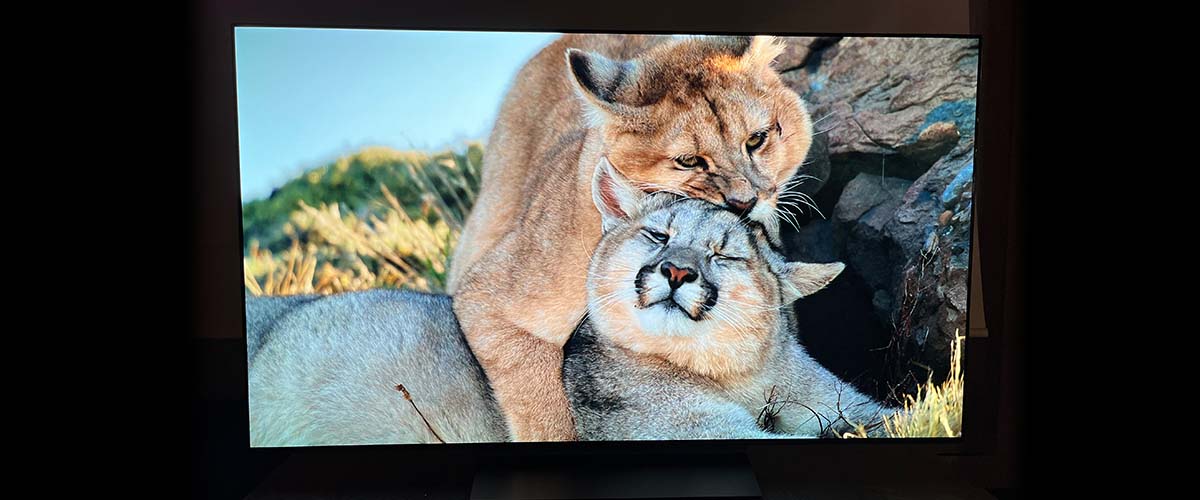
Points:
[[482, 237]]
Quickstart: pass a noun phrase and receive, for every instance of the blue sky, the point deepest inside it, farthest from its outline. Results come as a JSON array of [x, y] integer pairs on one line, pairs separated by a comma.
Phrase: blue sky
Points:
[[306, 96]]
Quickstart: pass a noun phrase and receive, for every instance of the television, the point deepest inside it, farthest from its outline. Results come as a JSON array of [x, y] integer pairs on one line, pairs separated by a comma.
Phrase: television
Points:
[[520, 240], [481, 237]]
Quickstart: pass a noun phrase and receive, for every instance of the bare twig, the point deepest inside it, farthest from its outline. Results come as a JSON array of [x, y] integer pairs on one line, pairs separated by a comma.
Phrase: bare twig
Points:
[[408, 397], [774, 406]]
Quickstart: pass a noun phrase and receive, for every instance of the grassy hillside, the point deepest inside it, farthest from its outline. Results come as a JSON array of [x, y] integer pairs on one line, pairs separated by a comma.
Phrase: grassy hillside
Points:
[[378, 217]]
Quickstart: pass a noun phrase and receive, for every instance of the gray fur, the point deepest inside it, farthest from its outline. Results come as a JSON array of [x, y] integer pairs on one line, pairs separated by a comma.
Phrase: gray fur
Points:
[[323, 371], [261, 313], [619, 395]]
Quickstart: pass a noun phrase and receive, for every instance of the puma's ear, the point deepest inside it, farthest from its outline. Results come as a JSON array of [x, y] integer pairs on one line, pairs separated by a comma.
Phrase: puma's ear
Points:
[[763, 50], [733, 46], [748, 52], [615, 197], [601, 80], [801, 279]]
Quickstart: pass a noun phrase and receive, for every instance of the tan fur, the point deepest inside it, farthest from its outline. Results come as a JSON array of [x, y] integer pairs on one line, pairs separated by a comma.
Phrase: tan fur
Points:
[[518, 273], [711, 349]]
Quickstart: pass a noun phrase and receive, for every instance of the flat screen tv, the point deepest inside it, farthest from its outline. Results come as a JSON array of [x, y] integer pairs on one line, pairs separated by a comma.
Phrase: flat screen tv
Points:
[[486, 237]]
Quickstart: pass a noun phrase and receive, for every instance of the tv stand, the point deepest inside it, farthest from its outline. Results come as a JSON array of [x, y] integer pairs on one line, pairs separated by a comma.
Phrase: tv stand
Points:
[[573, 478]]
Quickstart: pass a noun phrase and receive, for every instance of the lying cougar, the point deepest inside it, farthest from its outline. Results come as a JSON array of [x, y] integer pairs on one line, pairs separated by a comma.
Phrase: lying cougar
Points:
[[324, 371], [689, 333]]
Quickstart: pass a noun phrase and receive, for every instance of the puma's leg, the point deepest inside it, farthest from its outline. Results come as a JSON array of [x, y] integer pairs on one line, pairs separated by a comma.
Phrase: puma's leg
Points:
[[525, 373]]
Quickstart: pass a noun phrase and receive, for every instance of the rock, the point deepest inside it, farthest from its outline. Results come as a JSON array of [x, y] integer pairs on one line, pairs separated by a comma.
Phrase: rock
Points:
[[866, 207], [801, 57], [932, 143], [925, 200], [883, 93], [894, 125], [960, 184], [868, 192], [932, 291]]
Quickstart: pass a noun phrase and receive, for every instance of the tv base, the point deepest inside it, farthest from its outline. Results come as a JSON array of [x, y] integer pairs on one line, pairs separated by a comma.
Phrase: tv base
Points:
[[729, 478]]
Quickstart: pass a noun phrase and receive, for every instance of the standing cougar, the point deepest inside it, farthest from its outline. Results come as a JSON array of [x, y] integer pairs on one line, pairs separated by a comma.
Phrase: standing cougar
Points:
[[705, 117], [690, 333]]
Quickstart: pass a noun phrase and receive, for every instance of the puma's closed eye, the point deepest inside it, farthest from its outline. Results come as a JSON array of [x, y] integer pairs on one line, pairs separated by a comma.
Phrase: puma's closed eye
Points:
[[655, 236]]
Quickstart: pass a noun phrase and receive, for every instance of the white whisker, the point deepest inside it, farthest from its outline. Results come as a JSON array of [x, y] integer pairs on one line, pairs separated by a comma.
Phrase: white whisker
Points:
[[821, 119]]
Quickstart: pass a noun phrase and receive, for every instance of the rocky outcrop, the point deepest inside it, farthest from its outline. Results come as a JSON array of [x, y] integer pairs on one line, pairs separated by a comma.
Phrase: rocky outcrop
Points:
[[929, 299], [883, 92], [895, 126]]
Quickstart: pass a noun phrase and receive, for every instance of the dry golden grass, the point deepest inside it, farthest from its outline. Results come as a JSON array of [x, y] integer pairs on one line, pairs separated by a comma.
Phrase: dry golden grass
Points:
[[342, 252], [936, 409]]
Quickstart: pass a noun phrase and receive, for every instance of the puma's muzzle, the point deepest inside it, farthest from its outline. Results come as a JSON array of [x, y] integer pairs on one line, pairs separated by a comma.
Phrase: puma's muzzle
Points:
[[672, 286]]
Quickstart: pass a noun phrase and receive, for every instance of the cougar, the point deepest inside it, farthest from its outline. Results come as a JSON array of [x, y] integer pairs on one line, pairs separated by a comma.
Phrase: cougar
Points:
[[690, 333]]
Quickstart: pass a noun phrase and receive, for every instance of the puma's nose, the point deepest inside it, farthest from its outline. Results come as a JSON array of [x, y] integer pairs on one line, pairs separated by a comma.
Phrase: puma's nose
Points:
[[677, 276], [741, 207]]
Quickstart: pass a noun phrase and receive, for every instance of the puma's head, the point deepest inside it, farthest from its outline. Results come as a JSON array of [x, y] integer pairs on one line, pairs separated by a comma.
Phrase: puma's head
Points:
[[703, 117], [689, 281]]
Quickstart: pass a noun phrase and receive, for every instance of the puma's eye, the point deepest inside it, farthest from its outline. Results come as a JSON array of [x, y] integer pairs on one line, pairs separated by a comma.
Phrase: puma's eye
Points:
[[655, 236], [755, 141], [691, 161], [726, 258]]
